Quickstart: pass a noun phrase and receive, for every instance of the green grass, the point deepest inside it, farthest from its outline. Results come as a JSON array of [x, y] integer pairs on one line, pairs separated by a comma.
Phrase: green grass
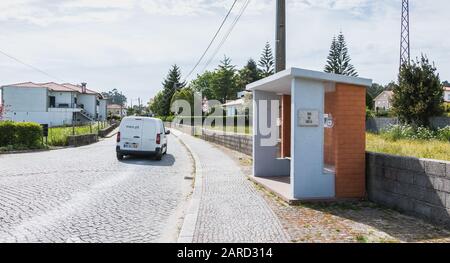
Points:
[[58, 136], [432, 149]]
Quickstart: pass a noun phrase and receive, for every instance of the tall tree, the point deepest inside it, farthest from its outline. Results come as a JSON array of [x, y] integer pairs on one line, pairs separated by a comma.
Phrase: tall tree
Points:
[[225, 87], [419, 94], [248, 74], [267, 61], [171, 84], [338, 60]]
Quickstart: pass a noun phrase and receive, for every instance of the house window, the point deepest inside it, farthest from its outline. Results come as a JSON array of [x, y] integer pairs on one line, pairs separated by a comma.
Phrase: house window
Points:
[[52, 101]]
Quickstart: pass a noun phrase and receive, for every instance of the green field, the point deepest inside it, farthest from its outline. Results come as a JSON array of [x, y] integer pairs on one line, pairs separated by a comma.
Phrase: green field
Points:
[[432, 149], [58, 136]]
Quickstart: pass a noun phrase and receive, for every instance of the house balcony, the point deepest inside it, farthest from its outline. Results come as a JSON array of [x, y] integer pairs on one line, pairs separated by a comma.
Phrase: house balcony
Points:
[[65, 108]]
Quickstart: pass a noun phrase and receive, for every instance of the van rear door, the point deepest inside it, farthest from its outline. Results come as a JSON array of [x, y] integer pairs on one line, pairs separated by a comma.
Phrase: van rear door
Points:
[[149, 132], [131, 134]]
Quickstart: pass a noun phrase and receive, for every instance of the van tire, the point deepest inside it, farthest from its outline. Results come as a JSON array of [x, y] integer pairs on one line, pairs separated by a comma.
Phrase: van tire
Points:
[[158, 157], [120, 156]]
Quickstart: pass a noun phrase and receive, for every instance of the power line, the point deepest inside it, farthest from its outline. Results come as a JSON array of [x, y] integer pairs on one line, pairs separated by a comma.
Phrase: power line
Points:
[[30, 66], [212, 40], [224, 39]]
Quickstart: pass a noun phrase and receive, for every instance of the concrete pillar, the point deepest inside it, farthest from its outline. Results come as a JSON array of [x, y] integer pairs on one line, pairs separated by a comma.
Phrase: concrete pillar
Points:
[[308, 180], [265, 161]]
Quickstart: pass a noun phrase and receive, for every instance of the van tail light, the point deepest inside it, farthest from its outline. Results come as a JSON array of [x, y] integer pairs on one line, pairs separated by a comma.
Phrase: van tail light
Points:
[[158, 138], [118, 137]]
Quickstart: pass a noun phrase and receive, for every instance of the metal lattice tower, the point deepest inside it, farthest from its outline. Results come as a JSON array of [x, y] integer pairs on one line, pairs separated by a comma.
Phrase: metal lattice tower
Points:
[[405, 50]]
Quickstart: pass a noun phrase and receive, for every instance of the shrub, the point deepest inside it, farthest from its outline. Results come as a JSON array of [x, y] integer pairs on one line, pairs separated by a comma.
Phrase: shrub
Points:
[[398, 132], [419, 93], [423, 133], [20, 135], [444, 134], [28, 134], [7, 130]]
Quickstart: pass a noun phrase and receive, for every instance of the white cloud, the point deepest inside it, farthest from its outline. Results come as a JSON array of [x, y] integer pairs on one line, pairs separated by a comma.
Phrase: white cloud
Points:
[[130, 44]]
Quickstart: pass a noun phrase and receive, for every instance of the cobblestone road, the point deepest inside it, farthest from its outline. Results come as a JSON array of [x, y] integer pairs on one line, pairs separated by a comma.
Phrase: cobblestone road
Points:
[[231, 209], [85, 195]]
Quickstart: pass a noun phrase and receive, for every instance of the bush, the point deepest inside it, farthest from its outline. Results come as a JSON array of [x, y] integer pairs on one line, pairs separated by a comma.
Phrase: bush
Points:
[[7, 130], [398, 132], [28, 134], [444, 134], [20, 135], [401, 132]]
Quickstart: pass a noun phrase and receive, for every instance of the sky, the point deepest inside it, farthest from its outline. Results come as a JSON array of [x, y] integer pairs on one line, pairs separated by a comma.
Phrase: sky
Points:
[[131, 44]]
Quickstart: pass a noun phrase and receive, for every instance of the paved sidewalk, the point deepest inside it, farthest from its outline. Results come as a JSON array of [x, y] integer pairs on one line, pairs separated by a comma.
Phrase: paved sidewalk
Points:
[[231, 209]]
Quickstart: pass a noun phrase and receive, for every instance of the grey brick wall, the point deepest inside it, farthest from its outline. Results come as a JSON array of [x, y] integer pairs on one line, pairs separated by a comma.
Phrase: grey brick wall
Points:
[[414, 186], [239, 142], [80, 140]]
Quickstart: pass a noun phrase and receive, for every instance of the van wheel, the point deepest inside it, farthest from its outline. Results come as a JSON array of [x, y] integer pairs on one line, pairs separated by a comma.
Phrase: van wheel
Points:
[[120, 156], [158, 157]]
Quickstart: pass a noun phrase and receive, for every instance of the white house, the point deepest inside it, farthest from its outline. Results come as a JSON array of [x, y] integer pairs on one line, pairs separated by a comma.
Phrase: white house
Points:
[[447, 94], [51, 103], [383, 101], [233, 107]]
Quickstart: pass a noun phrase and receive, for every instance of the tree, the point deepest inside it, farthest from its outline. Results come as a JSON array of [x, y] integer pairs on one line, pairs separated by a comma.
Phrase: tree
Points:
[[186, 94], [156, 106], [338, 60], [171, 84], [248, 74], [225, 86], [446, 83], [204, 84], [115, 97], [419, 94], [267, 62]]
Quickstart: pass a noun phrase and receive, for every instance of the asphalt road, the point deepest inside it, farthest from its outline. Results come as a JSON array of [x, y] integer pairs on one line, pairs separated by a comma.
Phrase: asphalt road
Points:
[[85, 195]]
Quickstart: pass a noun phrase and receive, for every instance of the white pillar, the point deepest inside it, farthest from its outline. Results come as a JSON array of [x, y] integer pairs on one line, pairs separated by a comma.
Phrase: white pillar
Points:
[[307, 144]]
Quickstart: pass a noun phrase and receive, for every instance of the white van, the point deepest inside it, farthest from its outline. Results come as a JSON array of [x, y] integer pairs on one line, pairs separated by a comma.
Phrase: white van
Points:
[[141, 136]]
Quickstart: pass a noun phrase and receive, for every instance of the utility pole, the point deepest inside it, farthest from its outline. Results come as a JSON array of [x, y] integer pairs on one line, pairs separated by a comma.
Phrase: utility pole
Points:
[[280, 45], [405, 50]]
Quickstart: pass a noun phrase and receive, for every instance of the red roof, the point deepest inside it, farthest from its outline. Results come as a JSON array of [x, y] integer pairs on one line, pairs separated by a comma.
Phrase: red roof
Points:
[[52, 86], [57, 87], [114, 106], [79, 88], [25, 85]]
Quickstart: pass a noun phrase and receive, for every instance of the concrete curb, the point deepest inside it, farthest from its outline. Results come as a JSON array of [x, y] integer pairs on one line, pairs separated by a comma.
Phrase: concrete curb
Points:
[[190, 220]]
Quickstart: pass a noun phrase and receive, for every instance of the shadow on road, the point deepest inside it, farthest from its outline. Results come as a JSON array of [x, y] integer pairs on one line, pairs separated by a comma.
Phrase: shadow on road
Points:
[[167, 160]]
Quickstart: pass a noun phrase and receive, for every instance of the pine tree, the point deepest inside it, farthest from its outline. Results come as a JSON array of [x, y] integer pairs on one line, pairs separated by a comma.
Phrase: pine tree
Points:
[[226, 87], [338, 60], [267, 61], [171, 84], [249, 74]]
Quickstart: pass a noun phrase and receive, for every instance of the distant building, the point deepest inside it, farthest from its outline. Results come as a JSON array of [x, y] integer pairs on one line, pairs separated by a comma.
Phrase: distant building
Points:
[[384, 101], [233, 107], [52, 103], [447, 94], [116, 110]]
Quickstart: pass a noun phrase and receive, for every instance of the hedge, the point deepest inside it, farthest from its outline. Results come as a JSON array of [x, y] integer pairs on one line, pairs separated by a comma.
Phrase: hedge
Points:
[[24, 134], [7, 131]]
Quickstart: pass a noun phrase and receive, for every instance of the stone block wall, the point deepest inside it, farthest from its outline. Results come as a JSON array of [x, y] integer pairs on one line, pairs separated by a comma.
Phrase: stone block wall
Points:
[[80, 140], [414, 186]]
